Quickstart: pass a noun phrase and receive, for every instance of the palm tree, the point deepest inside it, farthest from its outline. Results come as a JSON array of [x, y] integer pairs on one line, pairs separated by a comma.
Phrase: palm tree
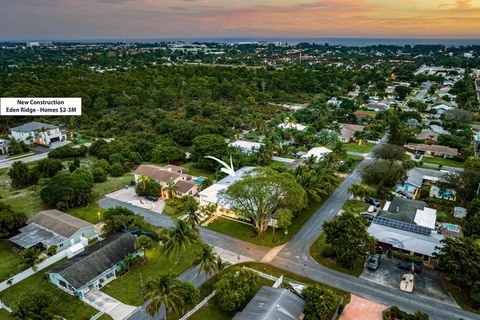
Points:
[[221, 265], [128, 260], [208, 210], [144, 243], [166, 291], [358, 190], [206, 260], [179, 238], [171, 189], [142, 183]]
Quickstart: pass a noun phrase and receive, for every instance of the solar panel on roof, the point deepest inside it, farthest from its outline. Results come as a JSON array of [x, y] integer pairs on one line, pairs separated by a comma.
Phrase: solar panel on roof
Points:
[[402, 225]]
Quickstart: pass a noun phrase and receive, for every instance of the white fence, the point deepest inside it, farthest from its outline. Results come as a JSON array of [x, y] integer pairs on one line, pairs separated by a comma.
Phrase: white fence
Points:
[[261, 274], [31, 271], [198, 306]]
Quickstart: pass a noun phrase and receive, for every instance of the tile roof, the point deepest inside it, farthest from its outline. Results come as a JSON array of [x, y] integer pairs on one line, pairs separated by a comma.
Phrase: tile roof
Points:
[[183, 186], [348, 130], [157, 173], [433, 148]]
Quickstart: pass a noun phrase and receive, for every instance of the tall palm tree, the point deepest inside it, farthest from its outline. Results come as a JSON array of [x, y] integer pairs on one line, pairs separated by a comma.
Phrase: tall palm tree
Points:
[[206, 260], [221, 265], [144, 243], [358, 190], [166, 291], [179, 238], [142, 183], [171, 189]]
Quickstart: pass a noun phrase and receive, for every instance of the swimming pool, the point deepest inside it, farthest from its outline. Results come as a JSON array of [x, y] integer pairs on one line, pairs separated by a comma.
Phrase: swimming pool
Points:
[[436, 192]]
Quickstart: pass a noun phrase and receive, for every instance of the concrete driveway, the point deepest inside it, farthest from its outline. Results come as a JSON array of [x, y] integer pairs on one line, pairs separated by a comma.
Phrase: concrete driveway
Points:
[[427, 283], [105, 303], [129, 196]]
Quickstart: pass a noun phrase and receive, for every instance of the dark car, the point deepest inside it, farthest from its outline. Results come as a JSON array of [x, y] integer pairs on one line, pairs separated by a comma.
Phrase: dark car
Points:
[[418, 156], [410, 266], [368, 217], [151, 198], [373, 202], [373, 262]]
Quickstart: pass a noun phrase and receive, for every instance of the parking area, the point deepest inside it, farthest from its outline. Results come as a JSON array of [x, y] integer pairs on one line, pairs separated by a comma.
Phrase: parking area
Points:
[[104, 303], [427, 283], [129, 196]]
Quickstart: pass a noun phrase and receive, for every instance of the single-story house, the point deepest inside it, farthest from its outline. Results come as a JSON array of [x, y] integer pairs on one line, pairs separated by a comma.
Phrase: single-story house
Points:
[[37, 132], [363, 115], [273, 303], [246, 146], [163, 175], [294, 126], [417, 177], [459, 212], [378, 106], [95, 267], [347, 131], [438, 129], [440, 109], [318, 152], [177, 169], [407, 226], [432, 150], [4, 146], [212, 194], [53, 227], [334, 102], [428, 136]]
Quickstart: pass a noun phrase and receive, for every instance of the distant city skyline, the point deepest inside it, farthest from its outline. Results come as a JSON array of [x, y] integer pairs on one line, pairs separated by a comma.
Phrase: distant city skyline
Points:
[[137, 19]]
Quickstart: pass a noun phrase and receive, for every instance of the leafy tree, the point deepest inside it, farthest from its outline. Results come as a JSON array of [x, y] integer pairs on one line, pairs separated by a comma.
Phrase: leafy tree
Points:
[[206, 260], [459, 260], [147, 187], [74, 165], [382, 174], [66, 191], [167, 291], [10, 221], [235, 287], [167, 152], [259, 195], [116, 170], [179, 238], [21, 176], [144, 243], [121, 219], [47, 168], [358, 190], [35, 305], [402, 92], [466, 182], [319, 302], [99, 174], [103, 164], [318, 179], [84, 174], [208, 145], [29, 257], [349, 238], [389, 152]]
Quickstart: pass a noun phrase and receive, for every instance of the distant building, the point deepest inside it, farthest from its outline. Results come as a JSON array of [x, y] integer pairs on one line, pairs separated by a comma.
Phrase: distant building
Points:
[[432, 150], [417, 177], [348, 131], [294, 126], [378, 106], [53, 228], [4, 146], [246, 146], [37, 132], [273, 304], [95, 267], [428, 136]]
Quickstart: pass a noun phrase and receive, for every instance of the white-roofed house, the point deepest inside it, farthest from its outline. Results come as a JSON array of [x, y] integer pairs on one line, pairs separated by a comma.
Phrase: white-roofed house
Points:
[[294, 126], [318, 152], [246, 146]]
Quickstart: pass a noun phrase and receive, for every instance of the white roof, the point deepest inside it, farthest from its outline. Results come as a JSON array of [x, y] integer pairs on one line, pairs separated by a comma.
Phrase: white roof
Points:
[[442, 106], [407, 240], [426, 217], [289, 125], [211, 194], [247, 145], [318, 152]]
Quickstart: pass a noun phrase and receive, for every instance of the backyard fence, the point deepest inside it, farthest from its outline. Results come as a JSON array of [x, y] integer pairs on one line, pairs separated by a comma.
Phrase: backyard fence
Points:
[[198, 306], [261, 274]]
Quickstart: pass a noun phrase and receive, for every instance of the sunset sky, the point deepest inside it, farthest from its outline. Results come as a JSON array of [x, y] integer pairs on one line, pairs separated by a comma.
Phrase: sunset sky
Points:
[[97, 19]]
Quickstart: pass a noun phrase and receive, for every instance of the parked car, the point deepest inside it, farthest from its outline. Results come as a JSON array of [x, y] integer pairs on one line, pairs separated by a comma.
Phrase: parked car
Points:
[[152, 198], [411, 266], [371, 209], [372, 201], [374, 262], [368, 217], [418, 156]]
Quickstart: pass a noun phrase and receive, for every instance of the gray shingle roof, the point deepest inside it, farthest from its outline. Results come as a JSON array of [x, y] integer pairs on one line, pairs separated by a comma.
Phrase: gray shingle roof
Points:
[[59, 222], [84, 267], [33, 126], [416, 176], [403, 209], [272, 304]]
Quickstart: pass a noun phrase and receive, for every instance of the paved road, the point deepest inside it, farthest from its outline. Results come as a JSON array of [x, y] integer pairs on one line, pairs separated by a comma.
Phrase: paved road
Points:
[[421, 94], [35, 157]]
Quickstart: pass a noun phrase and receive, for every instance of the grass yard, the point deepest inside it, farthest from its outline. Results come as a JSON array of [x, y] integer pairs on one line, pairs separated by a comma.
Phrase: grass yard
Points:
[[24, 200], [10, 260], [443, 162], [355, 158], [356, 206], [198, 172], [88, 213], [127, 287], [65, 305], [365, 147], [112, 184], [316, 250], [246, 232]]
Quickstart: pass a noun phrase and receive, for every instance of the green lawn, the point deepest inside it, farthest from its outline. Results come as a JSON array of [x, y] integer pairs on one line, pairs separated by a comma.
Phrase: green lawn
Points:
[[198, 172], [127, 287], [21, 155], [365, 147], [355, 158], [10, 260], [112, 184], [246, 232], [316, 251], [65, 305], [88, 213], [356, 206], [443, 162]]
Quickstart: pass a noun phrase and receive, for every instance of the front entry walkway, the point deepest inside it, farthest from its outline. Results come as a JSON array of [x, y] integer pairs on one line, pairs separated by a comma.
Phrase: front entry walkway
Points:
[[104, 303]]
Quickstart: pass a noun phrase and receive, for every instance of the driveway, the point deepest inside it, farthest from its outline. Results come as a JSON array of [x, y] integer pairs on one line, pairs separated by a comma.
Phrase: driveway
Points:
[[428, 283], [104, 303], [129, 196]]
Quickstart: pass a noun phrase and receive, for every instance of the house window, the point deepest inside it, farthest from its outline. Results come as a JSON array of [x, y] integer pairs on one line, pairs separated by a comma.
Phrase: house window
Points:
[[60, 245], [62, 283]]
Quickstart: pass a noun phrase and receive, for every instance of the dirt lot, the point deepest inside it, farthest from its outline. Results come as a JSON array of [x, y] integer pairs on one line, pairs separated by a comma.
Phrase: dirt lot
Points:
[[427, 284]]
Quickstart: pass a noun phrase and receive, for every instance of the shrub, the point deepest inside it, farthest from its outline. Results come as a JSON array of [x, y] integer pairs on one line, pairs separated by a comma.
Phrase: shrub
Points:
[[68, 152], [99, 175], [320, 303], [103, 164], [235, 288], [66, 191], [116, 170]]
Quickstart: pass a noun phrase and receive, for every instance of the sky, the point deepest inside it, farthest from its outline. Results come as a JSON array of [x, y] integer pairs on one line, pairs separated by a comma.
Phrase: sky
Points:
[[157, 19]]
